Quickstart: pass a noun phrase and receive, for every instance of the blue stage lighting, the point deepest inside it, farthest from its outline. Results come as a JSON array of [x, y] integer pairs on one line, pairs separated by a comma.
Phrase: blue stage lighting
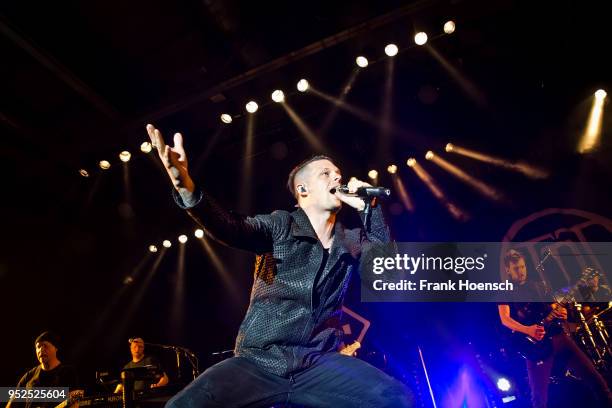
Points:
[[503, 384]]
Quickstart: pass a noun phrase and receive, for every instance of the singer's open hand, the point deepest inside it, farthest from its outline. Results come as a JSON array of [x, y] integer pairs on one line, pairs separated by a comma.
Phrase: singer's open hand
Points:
[[355, 202], [173, 158]]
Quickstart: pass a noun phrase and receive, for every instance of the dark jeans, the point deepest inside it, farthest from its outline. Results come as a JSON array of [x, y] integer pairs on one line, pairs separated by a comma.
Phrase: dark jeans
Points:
[[572, 357], [334, 380]]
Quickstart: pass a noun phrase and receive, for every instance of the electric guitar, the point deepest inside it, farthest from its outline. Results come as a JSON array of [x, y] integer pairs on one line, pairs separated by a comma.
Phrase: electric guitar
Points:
[[73, 399], [537, 350]]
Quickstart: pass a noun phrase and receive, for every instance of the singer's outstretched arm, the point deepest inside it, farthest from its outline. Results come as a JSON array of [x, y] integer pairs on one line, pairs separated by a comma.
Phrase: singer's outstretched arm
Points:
[[254, 234]]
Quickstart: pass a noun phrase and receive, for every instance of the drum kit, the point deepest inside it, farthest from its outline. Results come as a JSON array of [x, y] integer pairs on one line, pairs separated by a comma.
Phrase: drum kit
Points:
[[591, 332], [589, 305]]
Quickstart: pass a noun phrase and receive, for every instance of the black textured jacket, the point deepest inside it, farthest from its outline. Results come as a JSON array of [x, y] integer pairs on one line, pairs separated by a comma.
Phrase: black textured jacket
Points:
[[295, 300]]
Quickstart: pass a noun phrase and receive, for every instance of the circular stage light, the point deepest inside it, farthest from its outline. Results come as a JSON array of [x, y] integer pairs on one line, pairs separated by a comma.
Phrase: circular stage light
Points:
[[303, 85], [361, 61], [252, 107], [391, 50], [449, 27], [420, 38]]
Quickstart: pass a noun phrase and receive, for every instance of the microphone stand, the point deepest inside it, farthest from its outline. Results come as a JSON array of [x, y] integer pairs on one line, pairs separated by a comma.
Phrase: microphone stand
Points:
[[367, 212], [189, 355]]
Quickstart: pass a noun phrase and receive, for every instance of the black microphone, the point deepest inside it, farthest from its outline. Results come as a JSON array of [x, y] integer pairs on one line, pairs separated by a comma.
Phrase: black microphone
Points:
[[381, 192]]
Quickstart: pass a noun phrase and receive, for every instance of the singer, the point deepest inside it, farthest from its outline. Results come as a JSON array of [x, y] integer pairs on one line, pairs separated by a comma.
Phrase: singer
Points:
[[285, 351]]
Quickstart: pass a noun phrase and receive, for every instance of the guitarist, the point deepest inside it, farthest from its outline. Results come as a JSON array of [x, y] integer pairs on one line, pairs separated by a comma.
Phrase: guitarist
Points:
[[546, 336]]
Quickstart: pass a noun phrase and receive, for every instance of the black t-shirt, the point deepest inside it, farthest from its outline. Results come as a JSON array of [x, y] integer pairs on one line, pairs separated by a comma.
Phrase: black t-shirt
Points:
[[141, 385], [63, 375], [588, 294]]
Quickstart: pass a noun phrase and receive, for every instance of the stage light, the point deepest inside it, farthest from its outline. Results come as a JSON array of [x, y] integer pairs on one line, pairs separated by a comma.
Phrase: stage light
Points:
[[252, 107], [361, 61], [83, 173], [303, 85], [420, 38], [182, 239], [226, 118], [391, 50], [278, 96], [166, 243], [373, 174], [146, 147], [503, 384], [592, 133], [104, 164], [199, 233], [411, 162], [449, 27], [125, 156], [429, 155], [392, 169], [449, 147], [152, 248]]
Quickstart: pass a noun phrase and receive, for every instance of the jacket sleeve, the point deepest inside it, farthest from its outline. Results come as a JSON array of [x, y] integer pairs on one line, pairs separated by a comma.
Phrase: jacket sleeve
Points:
[[376, 229], [255, 234], [376, 242]]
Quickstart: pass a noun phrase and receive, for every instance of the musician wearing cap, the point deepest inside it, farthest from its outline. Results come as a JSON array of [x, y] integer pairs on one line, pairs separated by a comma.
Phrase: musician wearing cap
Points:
[[286, 348], [50, 372], [592, 290], [540, 336], [139, 359]]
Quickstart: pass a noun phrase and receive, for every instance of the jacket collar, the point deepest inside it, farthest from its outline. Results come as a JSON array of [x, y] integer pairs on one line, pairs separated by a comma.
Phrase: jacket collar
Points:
[[302, 227]]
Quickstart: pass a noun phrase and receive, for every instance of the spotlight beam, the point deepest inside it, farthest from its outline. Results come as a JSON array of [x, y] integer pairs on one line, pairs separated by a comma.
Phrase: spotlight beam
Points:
[[212, 141], [127, 186], [402, 193], [367, 117], [386, 124], [128, 313], [334, 110], [103, 317], [524, 168], [310, 136], [478, 185], [223, 273], [247, 166], [429, 181], [359, 113], [466, 85], [178, 303]]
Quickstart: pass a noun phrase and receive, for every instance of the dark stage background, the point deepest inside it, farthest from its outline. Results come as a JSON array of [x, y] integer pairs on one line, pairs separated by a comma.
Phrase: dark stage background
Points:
[[81, 79]]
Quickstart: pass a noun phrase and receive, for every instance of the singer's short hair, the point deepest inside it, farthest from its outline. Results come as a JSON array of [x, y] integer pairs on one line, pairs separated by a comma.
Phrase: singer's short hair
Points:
[[512, 256], [297, 169]]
